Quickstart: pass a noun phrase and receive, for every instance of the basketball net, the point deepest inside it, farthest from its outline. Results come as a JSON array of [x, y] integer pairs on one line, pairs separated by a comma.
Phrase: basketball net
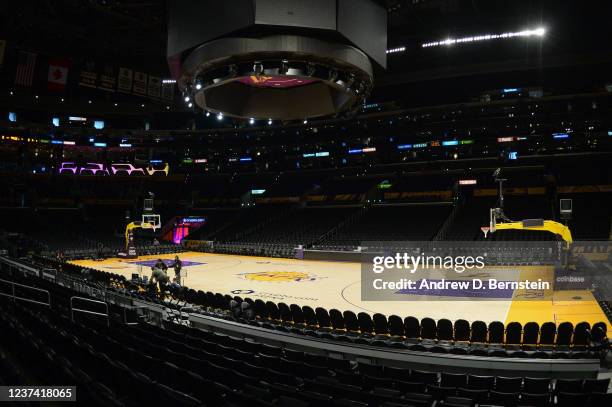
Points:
[[485, 230]]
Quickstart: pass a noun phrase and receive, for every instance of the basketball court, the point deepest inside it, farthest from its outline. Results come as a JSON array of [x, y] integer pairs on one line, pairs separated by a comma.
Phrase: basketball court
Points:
[[337, 285]]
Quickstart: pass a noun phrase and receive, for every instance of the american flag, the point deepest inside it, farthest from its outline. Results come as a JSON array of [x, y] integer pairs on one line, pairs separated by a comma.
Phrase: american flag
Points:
[[25, 68]]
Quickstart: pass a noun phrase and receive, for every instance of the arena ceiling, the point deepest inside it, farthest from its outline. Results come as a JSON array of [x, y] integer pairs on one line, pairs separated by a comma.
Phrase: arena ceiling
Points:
[[133, 32]]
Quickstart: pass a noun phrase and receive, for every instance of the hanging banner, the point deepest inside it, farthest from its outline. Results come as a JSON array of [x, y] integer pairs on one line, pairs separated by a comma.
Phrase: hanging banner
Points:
[[58, 74], [124, 80], [154, 88], [140, 83], [24, 74], [107, 79], [89, 76], [167, 91]]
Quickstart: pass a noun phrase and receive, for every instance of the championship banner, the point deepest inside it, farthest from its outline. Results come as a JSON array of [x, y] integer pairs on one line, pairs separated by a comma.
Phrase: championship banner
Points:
[[58, 74], [89, 76], [154, 88], [167, 91], [124, 80], [140, 83], [107, 79], [2, 49]]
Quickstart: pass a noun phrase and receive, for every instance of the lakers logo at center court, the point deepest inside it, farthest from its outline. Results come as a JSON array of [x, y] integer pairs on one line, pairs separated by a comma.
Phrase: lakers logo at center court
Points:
[[280, 276]]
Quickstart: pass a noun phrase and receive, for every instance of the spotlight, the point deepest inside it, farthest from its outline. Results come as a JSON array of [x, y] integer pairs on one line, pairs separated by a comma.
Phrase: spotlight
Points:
[[36, 97], [269, 121], [190, 105], [305, 121], [11, 92], [187, 99], [220, 116], [198, 86], [89, 101], [207, 113], [251, 121], [62, 100], [115, 104]]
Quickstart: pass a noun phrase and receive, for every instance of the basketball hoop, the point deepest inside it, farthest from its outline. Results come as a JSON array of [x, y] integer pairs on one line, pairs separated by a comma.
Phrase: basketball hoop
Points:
[[485, 230]]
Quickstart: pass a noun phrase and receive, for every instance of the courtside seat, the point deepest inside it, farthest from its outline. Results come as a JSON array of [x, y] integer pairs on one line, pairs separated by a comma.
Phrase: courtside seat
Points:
[[337, 320], [564, 335], [285, 312], [444, 330], [381, 324], [461, 330], [310, 318], [582, 333], [478, 332], [513, 333], [297, 314], [323, 318], [548, 332], [366, 325], [599, 330], [412, 328], [396, 327], [272, 310], [350, 319], [496, 332], [428, 328], [531, 331]]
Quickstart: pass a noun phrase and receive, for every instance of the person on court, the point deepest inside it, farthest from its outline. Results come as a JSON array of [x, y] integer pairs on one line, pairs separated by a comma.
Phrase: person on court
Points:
[[160, 265], [160, 277], [178, 265]]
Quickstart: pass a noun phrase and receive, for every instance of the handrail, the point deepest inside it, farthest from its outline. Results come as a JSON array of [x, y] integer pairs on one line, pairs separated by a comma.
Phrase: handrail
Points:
[[72, 309], [13, 263], [15, 297]]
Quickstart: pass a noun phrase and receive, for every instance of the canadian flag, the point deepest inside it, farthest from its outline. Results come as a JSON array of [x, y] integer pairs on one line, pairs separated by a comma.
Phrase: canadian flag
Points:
[[58, 75]]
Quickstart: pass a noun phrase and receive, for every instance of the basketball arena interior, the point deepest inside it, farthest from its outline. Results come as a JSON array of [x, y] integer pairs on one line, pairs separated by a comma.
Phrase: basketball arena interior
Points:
[[293, 203]]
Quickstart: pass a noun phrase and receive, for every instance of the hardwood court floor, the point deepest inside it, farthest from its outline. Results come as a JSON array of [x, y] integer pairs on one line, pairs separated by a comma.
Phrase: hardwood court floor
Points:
[[337, 285]]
